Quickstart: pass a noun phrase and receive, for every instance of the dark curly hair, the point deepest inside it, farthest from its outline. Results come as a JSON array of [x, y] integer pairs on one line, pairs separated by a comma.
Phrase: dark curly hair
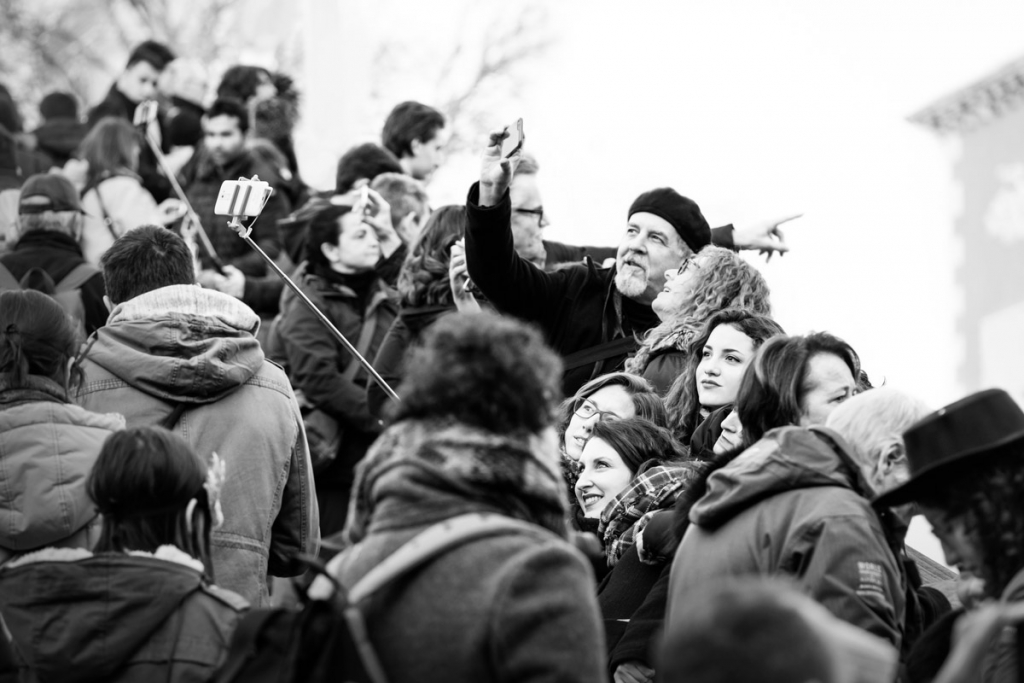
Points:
[[682, 402], [424, 277], [988, 495], [240, 82], [482, 370]]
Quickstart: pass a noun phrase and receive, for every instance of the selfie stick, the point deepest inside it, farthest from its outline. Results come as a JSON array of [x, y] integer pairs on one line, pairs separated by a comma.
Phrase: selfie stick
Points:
[[243, 232], [192, 215]]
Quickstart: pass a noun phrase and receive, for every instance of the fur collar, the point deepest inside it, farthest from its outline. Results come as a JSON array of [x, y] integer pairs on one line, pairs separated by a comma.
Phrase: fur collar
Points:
[[167, 553]]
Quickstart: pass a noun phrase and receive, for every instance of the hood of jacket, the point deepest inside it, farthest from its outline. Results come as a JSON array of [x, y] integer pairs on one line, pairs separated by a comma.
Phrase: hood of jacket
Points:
[[180, 343], [47, 449], [75, 616], [786, 459]]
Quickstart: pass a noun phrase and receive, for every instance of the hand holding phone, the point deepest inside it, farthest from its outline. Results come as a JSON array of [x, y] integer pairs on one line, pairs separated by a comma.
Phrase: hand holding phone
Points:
[[514, 142]]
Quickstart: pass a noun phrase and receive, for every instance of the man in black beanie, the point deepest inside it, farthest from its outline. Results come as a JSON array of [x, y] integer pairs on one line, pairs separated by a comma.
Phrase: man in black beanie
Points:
[[590, 315]]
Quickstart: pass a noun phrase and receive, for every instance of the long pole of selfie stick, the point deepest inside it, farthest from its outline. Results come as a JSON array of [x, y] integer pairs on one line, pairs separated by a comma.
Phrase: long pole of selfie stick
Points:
[[243, 232], [192, 215]]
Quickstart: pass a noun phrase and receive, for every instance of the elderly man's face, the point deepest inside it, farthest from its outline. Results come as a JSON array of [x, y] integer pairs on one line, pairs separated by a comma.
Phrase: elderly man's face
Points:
[[650, 247]]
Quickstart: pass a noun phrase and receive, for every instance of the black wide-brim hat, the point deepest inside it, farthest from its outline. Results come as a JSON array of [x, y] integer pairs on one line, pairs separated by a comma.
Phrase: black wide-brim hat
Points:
[[983, 425]]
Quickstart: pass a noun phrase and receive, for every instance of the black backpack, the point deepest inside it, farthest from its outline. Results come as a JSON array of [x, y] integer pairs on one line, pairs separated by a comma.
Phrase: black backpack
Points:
[[327, 640]]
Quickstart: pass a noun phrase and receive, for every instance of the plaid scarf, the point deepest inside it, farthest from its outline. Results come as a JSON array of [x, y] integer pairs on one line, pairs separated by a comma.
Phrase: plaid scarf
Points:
[[423, 472], [627, 514]]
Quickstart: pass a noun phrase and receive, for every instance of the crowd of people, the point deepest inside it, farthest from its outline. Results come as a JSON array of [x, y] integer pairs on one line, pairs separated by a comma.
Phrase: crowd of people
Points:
[[612, 463]]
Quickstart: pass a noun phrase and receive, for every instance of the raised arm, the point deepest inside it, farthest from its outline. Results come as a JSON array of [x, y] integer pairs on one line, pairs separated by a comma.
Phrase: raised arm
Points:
[[513, 285]]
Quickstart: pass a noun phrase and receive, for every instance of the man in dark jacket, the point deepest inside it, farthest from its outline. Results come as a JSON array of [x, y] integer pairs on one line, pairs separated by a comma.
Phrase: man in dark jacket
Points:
[[46, 255], [224, 156], [136, 84], [590, 315]]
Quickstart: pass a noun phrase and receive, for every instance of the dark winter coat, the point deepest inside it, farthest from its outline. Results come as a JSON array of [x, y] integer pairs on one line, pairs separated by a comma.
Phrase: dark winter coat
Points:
[[577, 307], [316, 361], [58, 254], [794, 505], [59, 138], [77, 617], [405, 331], [201, 180]]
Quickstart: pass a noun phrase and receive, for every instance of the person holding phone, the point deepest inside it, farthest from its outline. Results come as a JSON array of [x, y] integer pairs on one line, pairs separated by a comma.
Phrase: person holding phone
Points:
[[590, 315]]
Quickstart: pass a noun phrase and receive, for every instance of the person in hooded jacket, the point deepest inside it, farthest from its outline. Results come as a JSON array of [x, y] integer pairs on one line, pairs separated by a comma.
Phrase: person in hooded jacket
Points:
[[794, 502], [424, 294], [342, 252], [142, 606], [175, 354], [61, 131], [513, 606], [48, 444]]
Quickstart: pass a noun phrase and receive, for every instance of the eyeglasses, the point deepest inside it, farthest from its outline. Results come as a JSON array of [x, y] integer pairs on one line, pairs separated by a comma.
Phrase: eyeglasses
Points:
[[538, 212], [586, 409], [689, 263]]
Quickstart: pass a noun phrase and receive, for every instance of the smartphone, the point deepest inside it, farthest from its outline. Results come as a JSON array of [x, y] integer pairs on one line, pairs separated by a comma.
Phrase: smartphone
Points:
[[242, 197], [514, 142], [364, 200], [145, 113]]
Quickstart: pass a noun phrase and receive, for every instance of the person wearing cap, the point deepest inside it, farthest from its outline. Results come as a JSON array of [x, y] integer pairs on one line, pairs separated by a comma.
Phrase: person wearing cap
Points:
[[590, 315], [966, 465], [46, 253]]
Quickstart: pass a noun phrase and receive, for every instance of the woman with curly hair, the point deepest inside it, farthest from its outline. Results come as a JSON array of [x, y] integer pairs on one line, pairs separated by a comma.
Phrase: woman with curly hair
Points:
[[715, 362], [425, 294], [710, 281]]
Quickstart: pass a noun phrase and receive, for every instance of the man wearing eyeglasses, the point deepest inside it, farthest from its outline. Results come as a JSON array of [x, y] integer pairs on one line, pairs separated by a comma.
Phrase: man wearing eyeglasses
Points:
[[590, 315]]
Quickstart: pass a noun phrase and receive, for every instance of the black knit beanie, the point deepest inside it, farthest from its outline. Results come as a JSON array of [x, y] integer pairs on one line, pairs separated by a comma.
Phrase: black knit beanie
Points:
[[683, 214], [58, 105]]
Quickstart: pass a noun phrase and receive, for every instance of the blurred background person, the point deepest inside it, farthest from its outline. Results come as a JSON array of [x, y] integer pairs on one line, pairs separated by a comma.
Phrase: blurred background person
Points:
[[415, 133], [114, 199], [61, 131], [136, 84], [46, 254]]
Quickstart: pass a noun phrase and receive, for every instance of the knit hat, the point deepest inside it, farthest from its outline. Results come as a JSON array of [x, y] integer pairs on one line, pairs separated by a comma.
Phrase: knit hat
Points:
[[683, 214], [48, 192], [58, 105]]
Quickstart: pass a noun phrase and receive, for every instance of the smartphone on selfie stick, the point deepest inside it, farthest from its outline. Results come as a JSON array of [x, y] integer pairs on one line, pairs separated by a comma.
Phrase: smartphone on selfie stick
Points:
[[145, 115], [514, 142], [246, 197]]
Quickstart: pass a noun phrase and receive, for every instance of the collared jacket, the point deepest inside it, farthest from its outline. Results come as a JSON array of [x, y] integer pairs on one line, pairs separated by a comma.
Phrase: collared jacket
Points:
[[47, 449], [195, 347], [119, 618], [577, 307], [793, 504]]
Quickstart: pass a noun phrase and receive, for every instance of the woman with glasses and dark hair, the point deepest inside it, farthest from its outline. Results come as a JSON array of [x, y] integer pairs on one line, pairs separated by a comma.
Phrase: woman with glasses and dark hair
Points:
[[715, 363], [791, 500], [614, 396], [710, 281]]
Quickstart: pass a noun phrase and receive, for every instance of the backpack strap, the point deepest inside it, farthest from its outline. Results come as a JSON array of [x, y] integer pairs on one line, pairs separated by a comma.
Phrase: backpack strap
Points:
[[78, 276], [95, 187], [362, 346], [7, 279], [599, 352], [434, 541]]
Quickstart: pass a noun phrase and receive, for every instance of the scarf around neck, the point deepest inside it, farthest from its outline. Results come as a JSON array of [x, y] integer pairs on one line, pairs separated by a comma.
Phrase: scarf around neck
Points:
[[422, 472]]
